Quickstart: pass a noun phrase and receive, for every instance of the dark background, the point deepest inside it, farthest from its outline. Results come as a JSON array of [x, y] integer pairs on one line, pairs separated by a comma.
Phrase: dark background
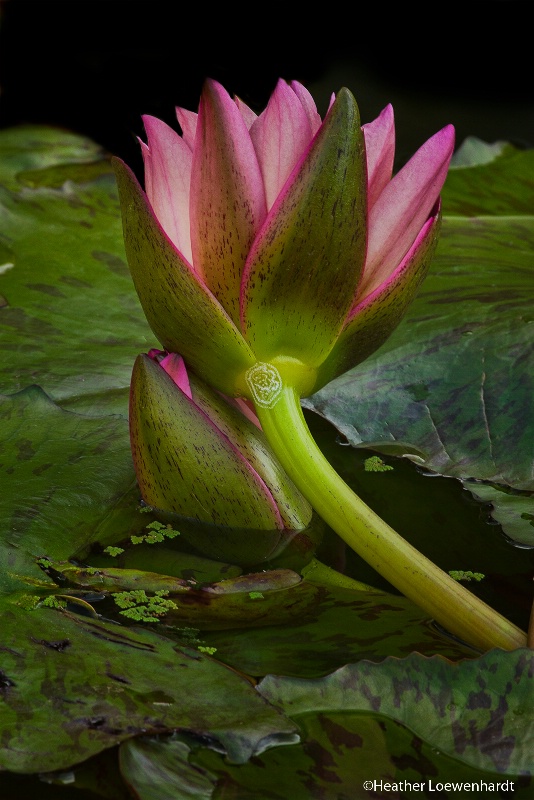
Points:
[[95, 67]]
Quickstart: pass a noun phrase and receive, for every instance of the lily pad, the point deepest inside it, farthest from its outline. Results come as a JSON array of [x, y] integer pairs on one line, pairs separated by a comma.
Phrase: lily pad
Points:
[[481, 710], [157, 770], [73, 686], [343, 626], [70, 319], [232, 603], [495, 179], [62, 473], [343, 755]]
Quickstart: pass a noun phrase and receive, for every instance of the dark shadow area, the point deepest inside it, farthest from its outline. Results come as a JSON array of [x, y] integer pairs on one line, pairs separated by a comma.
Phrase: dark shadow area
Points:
[[95, 67]]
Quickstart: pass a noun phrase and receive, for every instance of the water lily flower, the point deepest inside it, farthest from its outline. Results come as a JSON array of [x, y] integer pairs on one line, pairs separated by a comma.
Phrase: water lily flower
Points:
[[274, 252], [198, 455], [278, 238]]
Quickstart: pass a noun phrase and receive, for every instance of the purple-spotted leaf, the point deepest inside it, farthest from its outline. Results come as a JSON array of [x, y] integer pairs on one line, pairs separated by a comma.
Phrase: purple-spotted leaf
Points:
[[74, 686], [341, 626], [158, 770], [69, 317], [480, 710], [64, 477], [342, 755], [256, 599], [491, 179], [253, 601]]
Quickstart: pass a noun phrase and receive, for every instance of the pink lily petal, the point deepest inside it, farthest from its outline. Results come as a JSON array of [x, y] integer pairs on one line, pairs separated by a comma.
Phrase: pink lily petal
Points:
[[404, 205], [227, 196], [184, 315], [375, 317], [281, 134], [246, 408], [308, 103], [174, 366], [426, 240], [188, 123], [167, 162], [380, 151], [247, 113]]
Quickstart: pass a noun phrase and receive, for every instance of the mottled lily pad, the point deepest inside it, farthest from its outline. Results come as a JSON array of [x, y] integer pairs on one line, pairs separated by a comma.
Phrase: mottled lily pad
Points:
[[62, 474], [74, 686], [70, 320], [481, 710]]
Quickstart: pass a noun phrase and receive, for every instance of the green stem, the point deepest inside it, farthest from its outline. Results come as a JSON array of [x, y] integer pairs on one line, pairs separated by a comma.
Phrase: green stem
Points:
[[449, 603]]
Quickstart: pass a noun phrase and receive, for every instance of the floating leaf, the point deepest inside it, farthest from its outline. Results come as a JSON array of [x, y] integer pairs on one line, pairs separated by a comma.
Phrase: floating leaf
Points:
[[495, 179], [159, 770], [71, 316], [74, 686], [481, 710], [62, 474], [343, 755], [343, 625], [149, 596]]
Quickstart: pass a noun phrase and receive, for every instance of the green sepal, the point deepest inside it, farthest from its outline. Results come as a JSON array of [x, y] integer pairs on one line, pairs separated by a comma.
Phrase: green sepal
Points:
[[185, 317], [378, 317], [302, 273], [294, 509]]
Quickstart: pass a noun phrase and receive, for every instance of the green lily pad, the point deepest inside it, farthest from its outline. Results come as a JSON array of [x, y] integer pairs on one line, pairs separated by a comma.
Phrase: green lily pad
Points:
[[160, 770], [31, 151], [74, 686], [514, 511], [481, 710], [269, 597], [62, 474], [343, 755], [343, 626], [70, 319], [493, 179]]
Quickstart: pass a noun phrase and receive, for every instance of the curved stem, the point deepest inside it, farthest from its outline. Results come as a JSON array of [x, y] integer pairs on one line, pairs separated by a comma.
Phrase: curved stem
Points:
[[449, 603]]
